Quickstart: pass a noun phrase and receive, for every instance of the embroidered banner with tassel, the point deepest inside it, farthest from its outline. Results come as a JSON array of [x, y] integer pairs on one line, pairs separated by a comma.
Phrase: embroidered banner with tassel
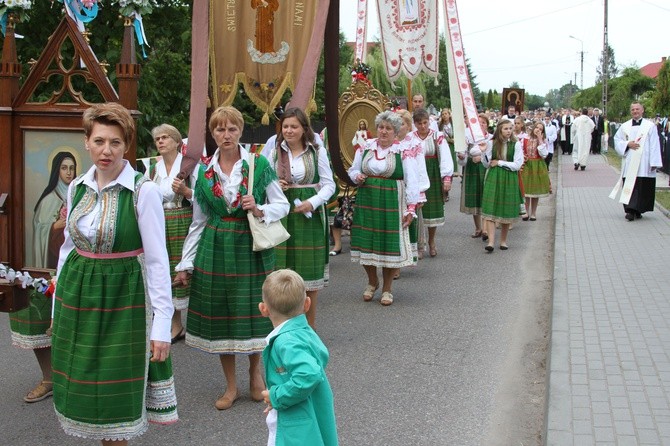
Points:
[[260, 44], [409, 37]]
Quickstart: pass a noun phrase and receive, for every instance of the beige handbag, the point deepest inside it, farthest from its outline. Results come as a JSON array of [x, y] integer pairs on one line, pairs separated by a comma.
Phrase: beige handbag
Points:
[[265, 236]]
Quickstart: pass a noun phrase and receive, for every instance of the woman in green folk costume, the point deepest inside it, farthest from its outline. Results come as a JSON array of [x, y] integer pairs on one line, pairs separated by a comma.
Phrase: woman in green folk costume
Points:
[[386, 174], [474, 172], [177, 196], [306, 178], [501, 196], [225, 274], [111, 327]]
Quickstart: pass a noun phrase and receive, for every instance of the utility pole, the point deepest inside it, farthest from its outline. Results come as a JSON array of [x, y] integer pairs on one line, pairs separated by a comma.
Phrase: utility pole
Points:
[[605, 62], [581, 59]]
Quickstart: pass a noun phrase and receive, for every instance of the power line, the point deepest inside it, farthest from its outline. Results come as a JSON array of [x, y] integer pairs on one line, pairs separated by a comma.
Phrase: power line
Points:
[[654, 4], [527, 18], [553, 62]]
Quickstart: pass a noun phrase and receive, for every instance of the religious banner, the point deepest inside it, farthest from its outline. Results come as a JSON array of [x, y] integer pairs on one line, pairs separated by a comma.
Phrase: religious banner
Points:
[[409, 37], [459, 79], [260, 44], [362, 31]]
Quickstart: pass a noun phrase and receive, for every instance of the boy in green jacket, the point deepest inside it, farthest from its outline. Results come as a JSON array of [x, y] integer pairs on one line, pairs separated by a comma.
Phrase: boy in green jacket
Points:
[[300, 402]]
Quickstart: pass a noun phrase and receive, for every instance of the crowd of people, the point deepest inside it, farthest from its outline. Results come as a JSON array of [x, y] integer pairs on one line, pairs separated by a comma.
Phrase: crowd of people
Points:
[[138, 249]]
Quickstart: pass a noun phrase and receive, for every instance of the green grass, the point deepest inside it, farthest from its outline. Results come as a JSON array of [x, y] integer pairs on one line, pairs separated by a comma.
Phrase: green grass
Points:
[[663, 198], [613, 159]]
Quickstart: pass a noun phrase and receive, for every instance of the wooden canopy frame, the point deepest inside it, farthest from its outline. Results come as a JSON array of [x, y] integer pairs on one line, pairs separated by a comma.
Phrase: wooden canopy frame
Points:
[[20, 113]]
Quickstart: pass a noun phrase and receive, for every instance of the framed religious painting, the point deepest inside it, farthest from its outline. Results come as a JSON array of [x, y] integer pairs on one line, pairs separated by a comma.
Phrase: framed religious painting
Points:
[[513, 96], [52, 160]]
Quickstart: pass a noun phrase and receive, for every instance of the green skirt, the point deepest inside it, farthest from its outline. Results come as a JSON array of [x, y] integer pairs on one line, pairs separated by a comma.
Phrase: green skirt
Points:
[[414, 236], [535, 178], [501, 197], [306, 252], [177, 222], [433, 209], [29, 326], [104, 385], [472, 188], [223, 315], [377, 236]]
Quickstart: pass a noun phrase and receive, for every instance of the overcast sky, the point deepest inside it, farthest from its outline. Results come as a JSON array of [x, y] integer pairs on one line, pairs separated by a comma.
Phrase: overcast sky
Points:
[[528, 41]]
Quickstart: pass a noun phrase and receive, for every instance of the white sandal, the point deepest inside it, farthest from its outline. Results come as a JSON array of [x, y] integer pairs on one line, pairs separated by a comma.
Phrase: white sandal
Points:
[[387, 299], [369, 292]]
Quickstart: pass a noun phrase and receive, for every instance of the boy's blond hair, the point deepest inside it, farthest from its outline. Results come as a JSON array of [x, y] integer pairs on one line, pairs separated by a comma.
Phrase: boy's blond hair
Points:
[[284, 293]]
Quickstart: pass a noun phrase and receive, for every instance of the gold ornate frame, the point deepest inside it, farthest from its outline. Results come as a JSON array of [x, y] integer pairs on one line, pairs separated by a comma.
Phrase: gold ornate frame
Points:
[[359, 102]]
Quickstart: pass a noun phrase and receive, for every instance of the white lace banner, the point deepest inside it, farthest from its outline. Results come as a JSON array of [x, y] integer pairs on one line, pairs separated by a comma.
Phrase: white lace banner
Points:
[[362, 31], [409, 37], [459, 80]]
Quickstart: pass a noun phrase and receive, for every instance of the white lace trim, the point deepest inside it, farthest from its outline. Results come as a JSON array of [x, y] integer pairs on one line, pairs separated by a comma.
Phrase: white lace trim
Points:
[[109, 432], [161, 394], [433, 222], [249, 346], [31, 342], [163, 418], [180, 303]]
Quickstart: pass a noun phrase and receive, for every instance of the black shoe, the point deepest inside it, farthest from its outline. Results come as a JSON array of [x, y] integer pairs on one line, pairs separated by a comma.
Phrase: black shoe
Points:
[[638, 215], [583, 167], [630, 216], [488, 249], [181, 335], [576, 166]]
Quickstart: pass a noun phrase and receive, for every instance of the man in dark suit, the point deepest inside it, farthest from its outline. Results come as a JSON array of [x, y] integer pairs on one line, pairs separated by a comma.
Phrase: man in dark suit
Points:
[[596, 136]]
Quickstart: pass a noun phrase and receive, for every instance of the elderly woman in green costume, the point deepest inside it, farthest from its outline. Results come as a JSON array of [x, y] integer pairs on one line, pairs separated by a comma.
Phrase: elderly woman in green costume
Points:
[[386, 174], [111, 330], [225, 274], [177, 195]]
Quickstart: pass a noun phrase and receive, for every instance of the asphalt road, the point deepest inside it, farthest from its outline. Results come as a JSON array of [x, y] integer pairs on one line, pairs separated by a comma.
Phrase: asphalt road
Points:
[[458, 359]]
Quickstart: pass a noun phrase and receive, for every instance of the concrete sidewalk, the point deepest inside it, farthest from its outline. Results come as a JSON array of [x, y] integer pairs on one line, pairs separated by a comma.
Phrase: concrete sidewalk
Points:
[[609, 378]]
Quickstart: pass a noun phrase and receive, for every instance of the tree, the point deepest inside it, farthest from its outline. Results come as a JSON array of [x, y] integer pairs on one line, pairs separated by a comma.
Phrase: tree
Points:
[[164, 88], [489, 100], [612, 69], [561, 97], [534, 101], [630, 86], [661, 97]]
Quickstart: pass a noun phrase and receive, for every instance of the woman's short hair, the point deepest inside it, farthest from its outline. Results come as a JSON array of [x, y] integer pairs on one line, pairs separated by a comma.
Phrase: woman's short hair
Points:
[[226, 113], [110, 113], [420, 114], [390, 117], [167, 129], [485, 118], [284, 292]]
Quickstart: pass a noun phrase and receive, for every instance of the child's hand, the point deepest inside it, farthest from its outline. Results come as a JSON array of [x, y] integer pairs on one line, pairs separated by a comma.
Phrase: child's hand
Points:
[[266, 399]]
